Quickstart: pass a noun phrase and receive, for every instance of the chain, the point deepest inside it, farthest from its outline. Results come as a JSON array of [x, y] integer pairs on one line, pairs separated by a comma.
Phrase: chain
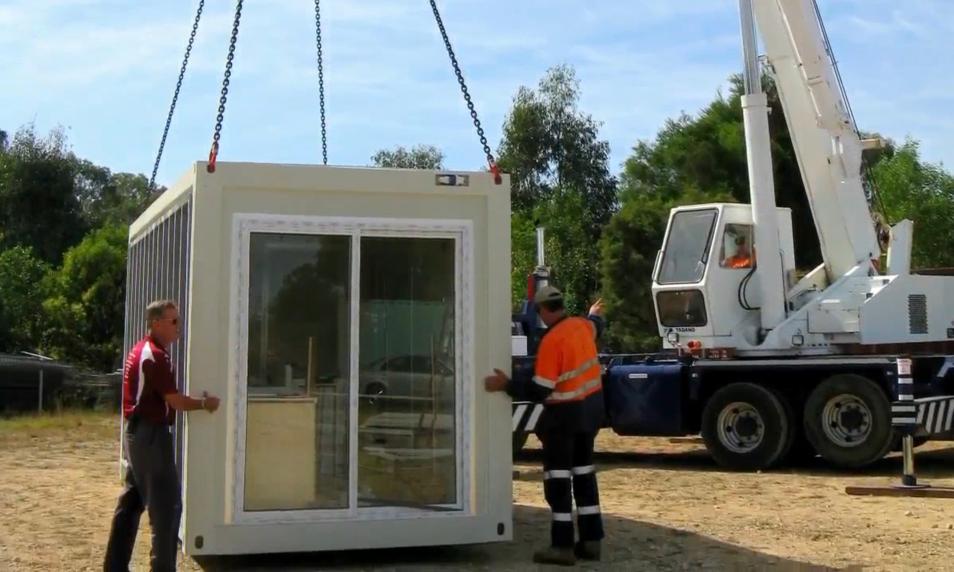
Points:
[[321, 84], [213, 153], [175, 96], [463, 89]]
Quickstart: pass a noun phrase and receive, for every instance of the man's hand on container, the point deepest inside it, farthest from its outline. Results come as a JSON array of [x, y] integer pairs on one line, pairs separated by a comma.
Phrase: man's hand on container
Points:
[[496, 382]]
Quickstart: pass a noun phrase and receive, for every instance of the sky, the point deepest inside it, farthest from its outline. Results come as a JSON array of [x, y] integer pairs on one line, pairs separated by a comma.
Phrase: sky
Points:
[[105, 71]]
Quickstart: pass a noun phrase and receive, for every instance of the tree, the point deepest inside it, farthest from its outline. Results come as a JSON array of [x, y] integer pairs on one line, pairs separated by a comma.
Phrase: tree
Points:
[[3, 140], [419, 157], [85, 308], [38, 205], [923, 193], [560, 179], [21, 298], [548, 143], [111, 198]]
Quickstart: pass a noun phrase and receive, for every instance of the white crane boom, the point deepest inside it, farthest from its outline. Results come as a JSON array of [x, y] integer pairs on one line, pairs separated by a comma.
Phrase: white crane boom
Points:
[[827, 144]]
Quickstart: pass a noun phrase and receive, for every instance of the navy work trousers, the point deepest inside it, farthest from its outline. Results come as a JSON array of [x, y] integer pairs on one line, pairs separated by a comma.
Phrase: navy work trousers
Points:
[[568, 474]]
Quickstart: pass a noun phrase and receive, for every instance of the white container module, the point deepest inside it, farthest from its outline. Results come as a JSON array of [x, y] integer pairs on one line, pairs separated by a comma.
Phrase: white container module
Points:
[[346, 317]]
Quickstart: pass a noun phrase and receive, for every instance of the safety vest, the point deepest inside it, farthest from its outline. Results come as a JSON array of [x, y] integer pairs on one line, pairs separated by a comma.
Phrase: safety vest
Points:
[[567, 362]]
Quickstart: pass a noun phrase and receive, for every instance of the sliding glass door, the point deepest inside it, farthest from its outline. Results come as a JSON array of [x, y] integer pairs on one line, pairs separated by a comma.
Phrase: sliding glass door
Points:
[[408, 372], [350, 383]]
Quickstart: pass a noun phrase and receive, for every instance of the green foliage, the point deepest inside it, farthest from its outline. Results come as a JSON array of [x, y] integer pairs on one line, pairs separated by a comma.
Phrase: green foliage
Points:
[[111, 198], [418, 157], [560, 179], [38, 207], [923, 193], [21, 298], [84, 312], [49, 198], [569, 251]]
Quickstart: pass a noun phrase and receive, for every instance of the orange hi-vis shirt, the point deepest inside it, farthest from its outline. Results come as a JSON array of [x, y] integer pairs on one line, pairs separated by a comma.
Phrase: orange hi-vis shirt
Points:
[[568, 362]]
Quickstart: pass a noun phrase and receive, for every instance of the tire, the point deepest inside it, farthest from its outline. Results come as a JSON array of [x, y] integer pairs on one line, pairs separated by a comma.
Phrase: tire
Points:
[[847, 420], [799, 451], [746, 426]]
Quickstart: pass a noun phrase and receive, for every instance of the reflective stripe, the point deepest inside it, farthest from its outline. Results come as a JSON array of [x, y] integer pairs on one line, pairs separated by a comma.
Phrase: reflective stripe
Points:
[[534, 417], [557, 474], [583, 470], [518, 415], [584, 510], [580, 370], [570, 395], [544, 382], [563, 516]]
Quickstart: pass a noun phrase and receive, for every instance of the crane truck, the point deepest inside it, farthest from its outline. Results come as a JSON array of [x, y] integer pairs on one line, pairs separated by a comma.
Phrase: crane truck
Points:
[[760, 361]]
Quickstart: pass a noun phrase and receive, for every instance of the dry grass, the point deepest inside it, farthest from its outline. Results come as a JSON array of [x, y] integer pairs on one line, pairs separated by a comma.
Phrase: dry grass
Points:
[[666, 506], [92, 424]]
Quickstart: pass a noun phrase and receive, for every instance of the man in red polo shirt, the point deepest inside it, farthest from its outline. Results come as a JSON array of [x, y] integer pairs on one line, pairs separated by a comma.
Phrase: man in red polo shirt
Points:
[[150, 402]]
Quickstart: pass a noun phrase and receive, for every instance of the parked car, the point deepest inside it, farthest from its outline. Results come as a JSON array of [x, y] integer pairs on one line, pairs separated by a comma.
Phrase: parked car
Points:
[[408, 378]]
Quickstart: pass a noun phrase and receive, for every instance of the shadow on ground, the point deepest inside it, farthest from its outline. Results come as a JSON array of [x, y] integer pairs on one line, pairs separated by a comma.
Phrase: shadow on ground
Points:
[[630, 545]]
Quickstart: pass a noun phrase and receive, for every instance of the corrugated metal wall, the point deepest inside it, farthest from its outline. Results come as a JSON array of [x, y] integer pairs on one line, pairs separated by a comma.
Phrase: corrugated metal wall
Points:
[[158, 268]]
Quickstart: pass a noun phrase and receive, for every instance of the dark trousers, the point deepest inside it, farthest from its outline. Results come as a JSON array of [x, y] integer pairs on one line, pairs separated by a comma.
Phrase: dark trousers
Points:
[[152, 484], [568, 474]]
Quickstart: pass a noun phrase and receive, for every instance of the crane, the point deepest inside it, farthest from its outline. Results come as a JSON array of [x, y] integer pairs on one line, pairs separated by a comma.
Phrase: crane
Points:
[[845, 305], [765, 364]]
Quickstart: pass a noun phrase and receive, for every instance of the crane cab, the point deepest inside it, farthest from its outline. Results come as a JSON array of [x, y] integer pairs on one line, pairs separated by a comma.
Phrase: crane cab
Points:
[[704, 282]]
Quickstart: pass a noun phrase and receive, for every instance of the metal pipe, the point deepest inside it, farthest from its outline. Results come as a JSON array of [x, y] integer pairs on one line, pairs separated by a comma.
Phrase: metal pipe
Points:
[[751, 74], [40, 400], [541, 257], [908, 479], [758, 146]]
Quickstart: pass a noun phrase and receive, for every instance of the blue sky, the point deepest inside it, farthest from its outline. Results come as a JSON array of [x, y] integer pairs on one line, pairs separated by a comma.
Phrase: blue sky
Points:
[[106, 69]]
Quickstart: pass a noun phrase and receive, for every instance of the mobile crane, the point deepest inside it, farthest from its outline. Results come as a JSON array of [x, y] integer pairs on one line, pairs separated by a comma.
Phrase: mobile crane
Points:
[[761, 363]]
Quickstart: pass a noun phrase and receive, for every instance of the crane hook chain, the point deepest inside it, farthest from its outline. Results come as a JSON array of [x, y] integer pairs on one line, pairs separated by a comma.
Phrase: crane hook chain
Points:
[[175, 96], [214, 151], [463, 88]]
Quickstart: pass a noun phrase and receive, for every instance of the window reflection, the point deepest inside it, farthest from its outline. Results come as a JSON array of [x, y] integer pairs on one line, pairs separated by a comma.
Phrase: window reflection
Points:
[[298, 372], [406, 412]]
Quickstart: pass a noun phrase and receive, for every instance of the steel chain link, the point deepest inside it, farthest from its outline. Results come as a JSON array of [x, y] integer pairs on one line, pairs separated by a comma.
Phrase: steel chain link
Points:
[[213, 153], [175, 96], [321, 84], [463, 86]]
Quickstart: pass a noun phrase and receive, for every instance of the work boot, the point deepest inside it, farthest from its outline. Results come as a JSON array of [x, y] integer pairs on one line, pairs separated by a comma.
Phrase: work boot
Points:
[[587, 550], [555, 555]]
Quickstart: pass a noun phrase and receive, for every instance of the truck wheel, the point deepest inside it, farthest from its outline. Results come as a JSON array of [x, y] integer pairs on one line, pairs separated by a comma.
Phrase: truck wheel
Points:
[[848, 421], [799, 451], [745, 426]]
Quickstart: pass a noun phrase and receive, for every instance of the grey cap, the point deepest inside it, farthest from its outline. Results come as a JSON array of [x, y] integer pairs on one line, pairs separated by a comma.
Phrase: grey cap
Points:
[[547, 294]]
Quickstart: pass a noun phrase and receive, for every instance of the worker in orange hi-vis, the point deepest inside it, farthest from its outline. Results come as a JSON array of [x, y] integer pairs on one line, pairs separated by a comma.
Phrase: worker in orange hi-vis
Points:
[[742, 257], [568, 381]]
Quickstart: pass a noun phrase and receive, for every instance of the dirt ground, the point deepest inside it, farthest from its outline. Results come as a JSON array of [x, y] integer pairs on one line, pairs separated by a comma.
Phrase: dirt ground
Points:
[[666, 505]]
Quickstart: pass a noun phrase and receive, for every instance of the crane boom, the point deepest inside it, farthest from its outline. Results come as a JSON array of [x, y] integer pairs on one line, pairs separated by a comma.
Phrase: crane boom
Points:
[[826, 141]]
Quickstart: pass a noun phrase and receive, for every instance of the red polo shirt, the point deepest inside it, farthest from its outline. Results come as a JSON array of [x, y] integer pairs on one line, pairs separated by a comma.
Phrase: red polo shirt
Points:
[[147, 378]]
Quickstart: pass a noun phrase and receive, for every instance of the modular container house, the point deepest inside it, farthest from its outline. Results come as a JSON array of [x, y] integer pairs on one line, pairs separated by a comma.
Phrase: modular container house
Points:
[[346, 317]]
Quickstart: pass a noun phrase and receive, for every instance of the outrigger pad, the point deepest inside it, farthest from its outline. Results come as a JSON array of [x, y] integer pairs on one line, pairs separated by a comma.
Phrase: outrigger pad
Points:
[[923, 491]]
